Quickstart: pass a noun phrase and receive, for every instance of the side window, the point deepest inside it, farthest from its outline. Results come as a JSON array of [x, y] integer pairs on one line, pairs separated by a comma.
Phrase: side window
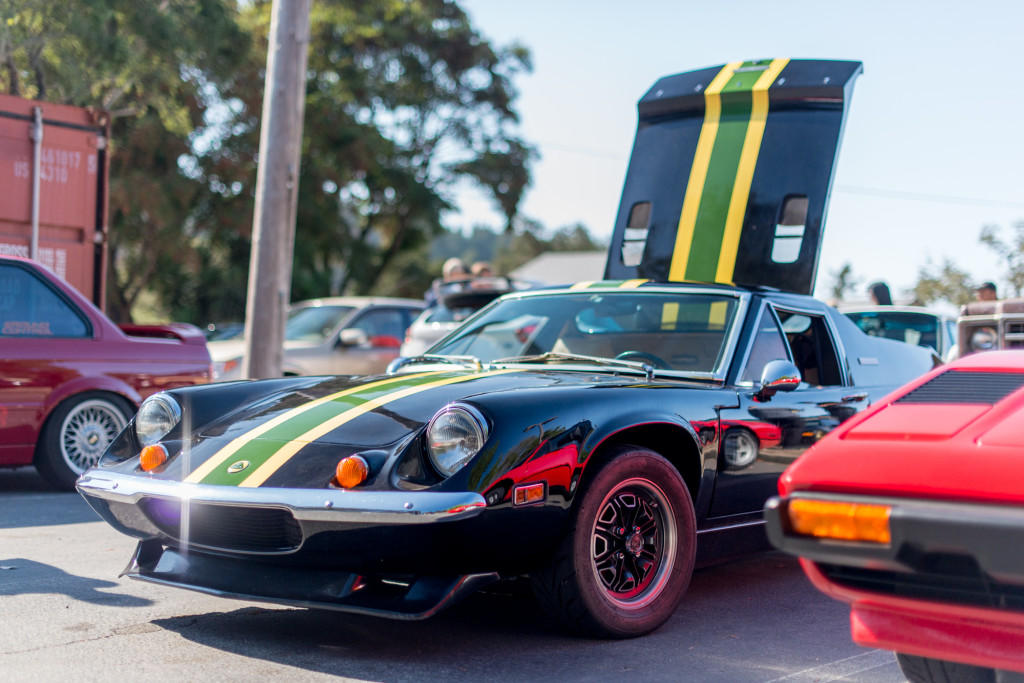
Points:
[[768, 345], [384, 326], [789, 231], [31, 308], [635, 237], [812, 349]]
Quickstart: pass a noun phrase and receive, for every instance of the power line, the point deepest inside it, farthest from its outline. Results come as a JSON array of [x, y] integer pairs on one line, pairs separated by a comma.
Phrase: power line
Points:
[[845, 189], [925, 197]]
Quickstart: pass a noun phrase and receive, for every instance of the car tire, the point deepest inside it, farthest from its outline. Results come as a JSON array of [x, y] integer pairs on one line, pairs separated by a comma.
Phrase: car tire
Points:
[[740, 448], [77, 433], [607, 580], [928, 670]]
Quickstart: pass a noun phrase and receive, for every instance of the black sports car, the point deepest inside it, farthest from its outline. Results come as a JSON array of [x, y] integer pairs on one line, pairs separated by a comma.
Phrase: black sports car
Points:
[[601, 438], [573, 435]]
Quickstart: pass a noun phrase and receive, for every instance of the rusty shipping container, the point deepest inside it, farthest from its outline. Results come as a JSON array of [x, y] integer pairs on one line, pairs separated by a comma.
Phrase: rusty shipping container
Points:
[[53, 189]]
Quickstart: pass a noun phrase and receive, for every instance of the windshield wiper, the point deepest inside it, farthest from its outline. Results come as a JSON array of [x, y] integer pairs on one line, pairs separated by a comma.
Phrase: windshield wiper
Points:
[[453, 360], [552, 356]]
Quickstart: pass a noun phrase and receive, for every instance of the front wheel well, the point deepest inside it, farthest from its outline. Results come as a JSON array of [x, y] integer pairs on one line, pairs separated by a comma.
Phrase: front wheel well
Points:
[[671, 441]]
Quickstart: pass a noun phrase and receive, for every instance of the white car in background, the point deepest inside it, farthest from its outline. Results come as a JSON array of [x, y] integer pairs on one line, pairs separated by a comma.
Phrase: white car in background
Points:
[[453, 302], [332, 336], [915, 325]]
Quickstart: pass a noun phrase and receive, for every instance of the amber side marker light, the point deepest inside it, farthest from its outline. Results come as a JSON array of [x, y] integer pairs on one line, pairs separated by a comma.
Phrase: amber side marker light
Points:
[[840, 521], [530, 493], [152, 457], [351, 471]]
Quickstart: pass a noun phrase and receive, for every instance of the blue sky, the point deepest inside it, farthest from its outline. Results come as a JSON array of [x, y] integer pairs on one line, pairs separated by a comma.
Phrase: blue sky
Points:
[[933, 148]]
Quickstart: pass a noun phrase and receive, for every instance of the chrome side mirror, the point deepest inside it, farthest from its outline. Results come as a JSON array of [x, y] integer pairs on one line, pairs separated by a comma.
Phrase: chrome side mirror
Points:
[[778, 375], [353, 336]]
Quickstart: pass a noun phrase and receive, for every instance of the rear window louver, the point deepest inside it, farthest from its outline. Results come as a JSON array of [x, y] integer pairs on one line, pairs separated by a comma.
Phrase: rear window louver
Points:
[[966, 387]]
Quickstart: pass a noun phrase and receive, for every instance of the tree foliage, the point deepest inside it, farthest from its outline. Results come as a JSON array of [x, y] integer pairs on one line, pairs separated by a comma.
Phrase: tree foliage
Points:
[[157, 68], [943, 282], [843, 282], [406, 102], [1011, 252]]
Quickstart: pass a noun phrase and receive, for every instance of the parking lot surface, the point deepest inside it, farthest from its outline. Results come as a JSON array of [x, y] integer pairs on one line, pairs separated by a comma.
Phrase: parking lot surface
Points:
[[67, 616]]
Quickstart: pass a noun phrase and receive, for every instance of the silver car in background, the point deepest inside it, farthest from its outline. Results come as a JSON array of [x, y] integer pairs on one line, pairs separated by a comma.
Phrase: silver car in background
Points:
[[915, 325], [331, 336]]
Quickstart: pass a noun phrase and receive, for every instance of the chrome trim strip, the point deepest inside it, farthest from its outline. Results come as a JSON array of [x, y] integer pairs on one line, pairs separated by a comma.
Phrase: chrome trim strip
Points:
[[739, 525], [316, 505]]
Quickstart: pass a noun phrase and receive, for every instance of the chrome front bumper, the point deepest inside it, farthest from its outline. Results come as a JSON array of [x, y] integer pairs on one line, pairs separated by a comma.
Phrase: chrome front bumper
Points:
[[305, 505]]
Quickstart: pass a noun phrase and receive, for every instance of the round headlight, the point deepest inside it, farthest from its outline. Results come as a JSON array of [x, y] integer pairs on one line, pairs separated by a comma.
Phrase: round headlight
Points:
[[454, 436], [984, 339], [157, 416]]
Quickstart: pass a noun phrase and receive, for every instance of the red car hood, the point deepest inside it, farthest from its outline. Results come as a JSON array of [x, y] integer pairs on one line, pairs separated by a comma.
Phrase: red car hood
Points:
[[954, 434]]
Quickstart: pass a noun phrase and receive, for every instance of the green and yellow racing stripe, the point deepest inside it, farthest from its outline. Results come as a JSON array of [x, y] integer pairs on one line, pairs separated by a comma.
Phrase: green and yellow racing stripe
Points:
[[736, 109], [269, 446]]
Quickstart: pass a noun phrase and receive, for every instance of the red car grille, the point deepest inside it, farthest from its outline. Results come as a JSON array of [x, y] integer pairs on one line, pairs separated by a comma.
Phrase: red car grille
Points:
[[959, 582], [966, 387], [226, 527]]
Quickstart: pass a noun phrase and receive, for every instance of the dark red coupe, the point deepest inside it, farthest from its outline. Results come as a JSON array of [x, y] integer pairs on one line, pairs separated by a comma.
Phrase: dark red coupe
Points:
[[70, 379], [913, 513]]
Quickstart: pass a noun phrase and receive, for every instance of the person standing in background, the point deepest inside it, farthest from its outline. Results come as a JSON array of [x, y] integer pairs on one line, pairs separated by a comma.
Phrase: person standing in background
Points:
[[986, 292], [879, 292]]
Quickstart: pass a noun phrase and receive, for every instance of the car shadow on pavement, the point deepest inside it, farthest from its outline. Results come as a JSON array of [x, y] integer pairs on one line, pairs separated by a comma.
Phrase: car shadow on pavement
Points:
[[23, 480], [20, 491], [19, 576], [469, 640]]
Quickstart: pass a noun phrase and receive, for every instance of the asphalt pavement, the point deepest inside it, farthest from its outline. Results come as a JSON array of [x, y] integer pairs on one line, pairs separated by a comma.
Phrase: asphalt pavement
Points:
[[67, 616]]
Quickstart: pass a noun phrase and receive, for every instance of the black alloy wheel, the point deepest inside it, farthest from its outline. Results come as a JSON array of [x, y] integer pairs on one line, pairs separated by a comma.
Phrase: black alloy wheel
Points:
[[623, 567]]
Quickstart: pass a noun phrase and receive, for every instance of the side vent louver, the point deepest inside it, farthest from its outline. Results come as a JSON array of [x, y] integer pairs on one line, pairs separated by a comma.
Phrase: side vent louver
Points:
[[966, 387]]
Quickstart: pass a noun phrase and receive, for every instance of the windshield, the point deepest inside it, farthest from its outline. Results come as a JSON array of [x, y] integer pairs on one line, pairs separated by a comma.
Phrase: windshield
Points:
[[685, 332], [314, 323], [921, 329], [440, 314]]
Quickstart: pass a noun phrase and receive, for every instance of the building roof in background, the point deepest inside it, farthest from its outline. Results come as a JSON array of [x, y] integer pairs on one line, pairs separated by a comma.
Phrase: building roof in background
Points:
[[562, 267]]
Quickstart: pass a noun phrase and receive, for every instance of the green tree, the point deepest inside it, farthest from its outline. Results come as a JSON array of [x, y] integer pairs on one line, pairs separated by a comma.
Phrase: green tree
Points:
[[843, 282], [942, 282], [1011, 252], [156, 67], [406, 102]]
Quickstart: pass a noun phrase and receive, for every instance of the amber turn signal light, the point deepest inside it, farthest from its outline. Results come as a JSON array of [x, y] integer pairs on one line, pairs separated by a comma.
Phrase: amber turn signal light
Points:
[[152, 457], [351, 471], [839, 520]]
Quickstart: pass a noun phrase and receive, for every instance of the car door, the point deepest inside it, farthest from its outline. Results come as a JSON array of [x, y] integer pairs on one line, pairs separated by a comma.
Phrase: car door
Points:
[[371, 340], [39, 332], [762, 436]]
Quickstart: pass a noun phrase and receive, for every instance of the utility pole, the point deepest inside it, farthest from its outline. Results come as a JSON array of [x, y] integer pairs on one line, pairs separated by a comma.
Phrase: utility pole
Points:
[[277, 185]]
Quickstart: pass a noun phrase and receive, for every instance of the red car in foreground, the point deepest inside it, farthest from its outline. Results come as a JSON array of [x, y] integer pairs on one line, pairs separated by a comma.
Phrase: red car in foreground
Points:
[[70, 379], [913, 513]]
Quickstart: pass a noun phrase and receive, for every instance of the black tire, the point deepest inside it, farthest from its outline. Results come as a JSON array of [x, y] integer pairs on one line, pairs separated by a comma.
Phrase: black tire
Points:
[[927, 670], [606, 580], [77, 433]]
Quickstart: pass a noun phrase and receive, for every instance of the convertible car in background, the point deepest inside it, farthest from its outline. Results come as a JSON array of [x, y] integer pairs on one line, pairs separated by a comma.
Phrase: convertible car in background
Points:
[[913, 513], [911, 324], [453, 302], [601, 438]]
